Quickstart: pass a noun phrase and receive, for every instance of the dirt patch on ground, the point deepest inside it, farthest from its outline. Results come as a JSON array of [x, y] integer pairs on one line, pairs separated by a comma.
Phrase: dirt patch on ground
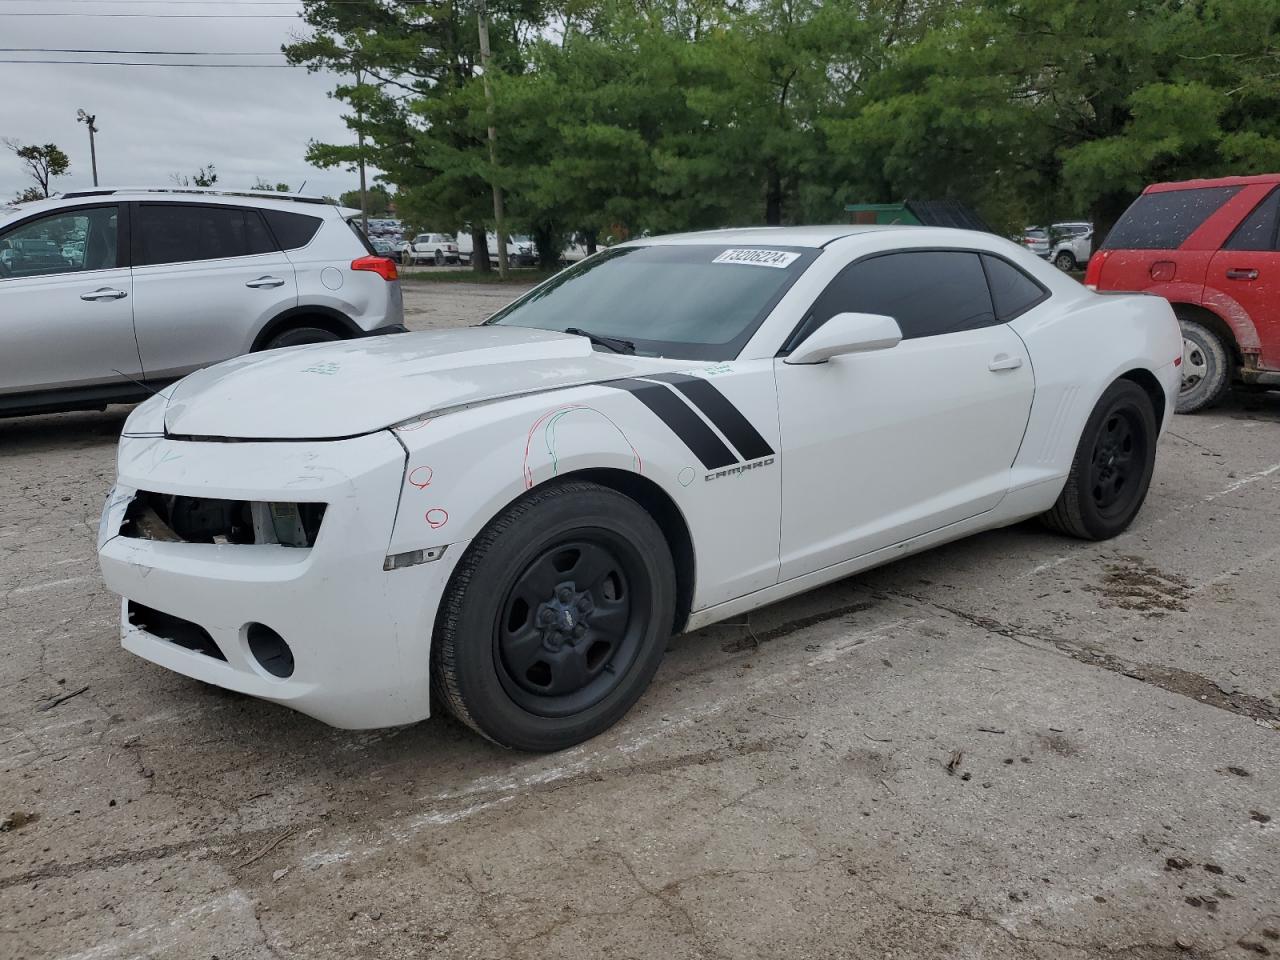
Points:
[[1133, 583]]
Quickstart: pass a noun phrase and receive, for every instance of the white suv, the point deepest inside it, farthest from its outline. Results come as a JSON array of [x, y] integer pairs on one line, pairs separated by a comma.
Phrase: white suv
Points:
[[106, 295]]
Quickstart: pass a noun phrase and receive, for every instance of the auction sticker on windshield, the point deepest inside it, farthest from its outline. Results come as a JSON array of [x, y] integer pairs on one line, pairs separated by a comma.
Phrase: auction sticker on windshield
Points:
[[759, 258]]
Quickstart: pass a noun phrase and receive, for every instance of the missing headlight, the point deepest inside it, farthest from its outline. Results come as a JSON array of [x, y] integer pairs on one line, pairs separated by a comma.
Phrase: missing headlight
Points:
[[169, 517]]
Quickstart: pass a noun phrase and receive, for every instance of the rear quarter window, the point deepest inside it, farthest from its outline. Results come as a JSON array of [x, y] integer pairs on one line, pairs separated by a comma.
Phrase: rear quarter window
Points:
[[1163, 221], [1012, 291], [292, 230], [1258, 230]]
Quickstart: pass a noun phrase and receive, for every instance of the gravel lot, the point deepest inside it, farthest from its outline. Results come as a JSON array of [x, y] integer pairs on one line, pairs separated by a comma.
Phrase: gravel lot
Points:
[[1013, 746]]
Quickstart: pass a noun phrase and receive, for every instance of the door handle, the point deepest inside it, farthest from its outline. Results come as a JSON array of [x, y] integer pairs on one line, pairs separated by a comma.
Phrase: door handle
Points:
[[1002, 361], [1242, 273], [104, 293], [265, 282]]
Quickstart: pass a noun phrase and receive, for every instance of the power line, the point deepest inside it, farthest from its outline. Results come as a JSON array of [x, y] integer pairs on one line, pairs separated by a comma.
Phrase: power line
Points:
[[156, 63], [148, 53]]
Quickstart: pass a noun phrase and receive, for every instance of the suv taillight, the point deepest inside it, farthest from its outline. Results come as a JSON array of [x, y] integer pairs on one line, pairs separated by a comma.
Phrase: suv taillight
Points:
[[1093, 273], [384, 267]]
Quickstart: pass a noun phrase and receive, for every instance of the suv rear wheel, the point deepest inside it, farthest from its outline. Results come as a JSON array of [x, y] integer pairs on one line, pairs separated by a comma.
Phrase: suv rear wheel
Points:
[[1205, 367], [299, 336]]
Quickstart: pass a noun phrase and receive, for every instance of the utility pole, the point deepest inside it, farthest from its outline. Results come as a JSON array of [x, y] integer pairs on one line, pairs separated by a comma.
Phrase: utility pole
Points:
[[498, 216], [364, 203], [88, 119]]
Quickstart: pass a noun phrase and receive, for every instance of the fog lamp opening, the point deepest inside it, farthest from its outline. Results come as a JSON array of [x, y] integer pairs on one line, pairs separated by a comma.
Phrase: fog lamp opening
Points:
[[270, 650]]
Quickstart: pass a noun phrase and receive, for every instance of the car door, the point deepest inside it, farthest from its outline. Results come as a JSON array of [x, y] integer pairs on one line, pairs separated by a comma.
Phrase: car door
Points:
[[66, 305], [207, 278], [1247, 271], [884, 446]]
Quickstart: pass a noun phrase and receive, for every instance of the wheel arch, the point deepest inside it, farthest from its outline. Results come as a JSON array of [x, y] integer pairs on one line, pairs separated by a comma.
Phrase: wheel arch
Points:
[[1151, 386], [1215, 324], [326, 318]]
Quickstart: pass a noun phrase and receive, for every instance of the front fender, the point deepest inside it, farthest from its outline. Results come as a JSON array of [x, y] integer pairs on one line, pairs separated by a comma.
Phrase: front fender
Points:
[[464, 467]]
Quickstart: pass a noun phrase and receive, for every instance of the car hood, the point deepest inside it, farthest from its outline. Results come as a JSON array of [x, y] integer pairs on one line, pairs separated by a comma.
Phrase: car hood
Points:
[[354, 387]]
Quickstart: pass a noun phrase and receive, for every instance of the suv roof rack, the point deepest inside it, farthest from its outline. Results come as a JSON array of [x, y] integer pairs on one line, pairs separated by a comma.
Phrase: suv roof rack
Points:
[[206, 191]]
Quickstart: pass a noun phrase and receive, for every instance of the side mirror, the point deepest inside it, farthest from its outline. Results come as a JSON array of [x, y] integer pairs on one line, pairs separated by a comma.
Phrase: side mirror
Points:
[[847, 333]]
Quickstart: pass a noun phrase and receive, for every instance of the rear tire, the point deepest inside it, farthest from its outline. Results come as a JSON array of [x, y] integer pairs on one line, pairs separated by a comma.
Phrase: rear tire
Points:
[[1112, 468], [555, 620], [1206, 367], [300, 336], [439, 258]]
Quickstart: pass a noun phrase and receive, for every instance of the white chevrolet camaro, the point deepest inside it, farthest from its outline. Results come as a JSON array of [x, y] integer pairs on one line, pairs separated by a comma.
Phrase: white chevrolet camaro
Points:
[[511, 519]]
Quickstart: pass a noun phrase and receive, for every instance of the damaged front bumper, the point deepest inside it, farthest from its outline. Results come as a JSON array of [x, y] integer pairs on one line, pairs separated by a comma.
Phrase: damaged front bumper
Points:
[[322, 628]]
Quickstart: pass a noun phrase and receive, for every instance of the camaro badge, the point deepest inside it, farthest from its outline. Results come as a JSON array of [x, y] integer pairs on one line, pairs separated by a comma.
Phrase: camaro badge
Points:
[[740, 468]]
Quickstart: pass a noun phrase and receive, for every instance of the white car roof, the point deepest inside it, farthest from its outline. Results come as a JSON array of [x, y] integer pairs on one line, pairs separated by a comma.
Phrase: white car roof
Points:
[[816, 236]]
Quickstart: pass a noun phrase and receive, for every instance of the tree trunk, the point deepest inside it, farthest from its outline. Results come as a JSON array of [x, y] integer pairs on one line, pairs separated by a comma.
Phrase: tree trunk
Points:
[[773, 196], [1104, 212], [479, 250], [591, 241]]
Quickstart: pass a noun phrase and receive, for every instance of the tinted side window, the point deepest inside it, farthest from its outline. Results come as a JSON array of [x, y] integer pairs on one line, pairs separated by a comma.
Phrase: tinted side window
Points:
[[927, 292], [1162, 221], [293, 230], [1258, 231], [181, 233], [66, 242], [1012, 291]]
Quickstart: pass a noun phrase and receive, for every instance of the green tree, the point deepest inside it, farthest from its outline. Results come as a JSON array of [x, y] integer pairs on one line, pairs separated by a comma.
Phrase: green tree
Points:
[[378, 197], [204, 177], [407, 65], [260, 184], [43, 163], [1053, 106]]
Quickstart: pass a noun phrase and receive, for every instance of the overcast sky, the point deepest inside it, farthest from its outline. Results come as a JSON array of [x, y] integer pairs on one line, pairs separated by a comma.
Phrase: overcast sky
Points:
[[156, 121]]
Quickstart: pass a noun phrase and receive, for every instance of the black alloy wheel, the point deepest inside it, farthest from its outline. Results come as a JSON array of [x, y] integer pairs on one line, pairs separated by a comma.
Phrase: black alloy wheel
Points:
[[572, 624], [1112, 467], [556, 617], [1116, 465]]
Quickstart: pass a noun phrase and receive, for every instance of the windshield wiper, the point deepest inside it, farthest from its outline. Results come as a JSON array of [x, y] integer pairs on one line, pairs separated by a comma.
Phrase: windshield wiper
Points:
[[616, 344]]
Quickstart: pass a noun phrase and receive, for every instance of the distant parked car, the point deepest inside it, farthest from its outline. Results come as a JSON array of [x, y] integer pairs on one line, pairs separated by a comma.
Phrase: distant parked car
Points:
[[491, 243], [383, 247], [163, 282], [1036, 239], [1066, 245], [435, 248], [1212, 249], [1071, 244], [525, 252]]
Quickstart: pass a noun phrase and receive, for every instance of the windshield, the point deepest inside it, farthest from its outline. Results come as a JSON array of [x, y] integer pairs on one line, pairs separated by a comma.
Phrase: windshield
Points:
[[694, 302]]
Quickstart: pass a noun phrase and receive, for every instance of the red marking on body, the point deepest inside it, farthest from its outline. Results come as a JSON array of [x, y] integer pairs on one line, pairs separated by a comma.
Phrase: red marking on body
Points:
[[437, 518], [420, 477], [528, 440]]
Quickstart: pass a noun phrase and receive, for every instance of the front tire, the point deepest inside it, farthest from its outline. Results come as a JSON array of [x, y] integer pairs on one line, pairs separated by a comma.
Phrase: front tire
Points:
[[1112, 468], [1065, 261], [1205, 367], [555, 620]]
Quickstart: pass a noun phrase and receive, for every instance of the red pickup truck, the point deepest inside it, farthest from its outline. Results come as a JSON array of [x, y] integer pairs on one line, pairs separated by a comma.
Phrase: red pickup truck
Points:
[[1211, 248]]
